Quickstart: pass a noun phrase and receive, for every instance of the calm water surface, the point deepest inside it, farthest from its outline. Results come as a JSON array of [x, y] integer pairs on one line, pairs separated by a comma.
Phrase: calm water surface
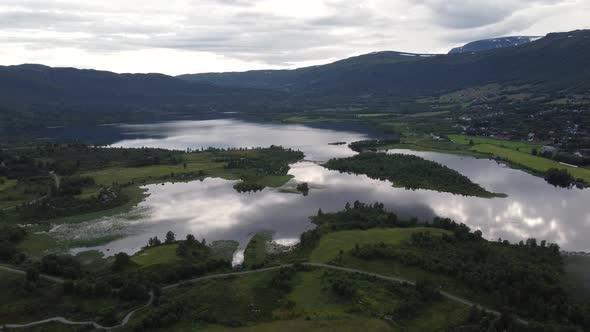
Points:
[[212, 209]]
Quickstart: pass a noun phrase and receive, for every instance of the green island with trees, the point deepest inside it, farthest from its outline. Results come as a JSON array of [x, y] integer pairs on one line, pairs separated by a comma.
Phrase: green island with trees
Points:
[[362, 267], [410, 172]]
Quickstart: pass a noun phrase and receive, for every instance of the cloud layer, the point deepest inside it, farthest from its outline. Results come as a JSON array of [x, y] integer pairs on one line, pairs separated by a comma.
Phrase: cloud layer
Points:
[[181, 36]]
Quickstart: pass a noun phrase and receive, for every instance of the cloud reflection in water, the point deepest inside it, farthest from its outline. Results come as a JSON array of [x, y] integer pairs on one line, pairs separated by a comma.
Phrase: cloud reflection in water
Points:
[[212, 209]]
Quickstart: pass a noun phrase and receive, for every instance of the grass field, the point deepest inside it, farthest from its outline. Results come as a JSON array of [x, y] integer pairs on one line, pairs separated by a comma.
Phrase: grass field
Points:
[[331, 244], [428, 114], [373, 115], [5, 183], [248, 304], [328, 250], [94, 261], [309, 296], [519, 153], [529, 161], [310, 119], [13, 194], [515, 152], [148, 174], [373, 299], [38, 244], [429, 145], [195, 163], [224, 249], [166, 253], [235, 299], [255, 253], [514, 145], [163, 254]]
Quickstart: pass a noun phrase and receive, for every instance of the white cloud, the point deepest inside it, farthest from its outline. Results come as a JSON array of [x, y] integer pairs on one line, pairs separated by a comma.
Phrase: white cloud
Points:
[[181, 36]]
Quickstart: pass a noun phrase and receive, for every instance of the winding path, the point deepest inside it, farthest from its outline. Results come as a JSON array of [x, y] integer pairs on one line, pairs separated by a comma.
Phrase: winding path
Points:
[[44, 276], [224, 275]]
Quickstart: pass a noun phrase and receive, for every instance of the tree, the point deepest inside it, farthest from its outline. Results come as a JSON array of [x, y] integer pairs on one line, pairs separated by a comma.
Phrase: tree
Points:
[[190, 239], [7, 250], [182, 249], [559, 178], [121, 260], [170, 237], [68, 287], [478, 234], [102, 288], [427, 290], [303, 188], [154, 242], [133, 291], [108, 316], [32, 274], [532, 242]]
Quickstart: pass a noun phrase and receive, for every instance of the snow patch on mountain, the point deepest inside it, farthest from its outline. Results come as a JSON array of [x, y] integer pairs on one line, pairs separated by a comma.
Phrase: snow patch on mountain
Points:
[[494, 43]]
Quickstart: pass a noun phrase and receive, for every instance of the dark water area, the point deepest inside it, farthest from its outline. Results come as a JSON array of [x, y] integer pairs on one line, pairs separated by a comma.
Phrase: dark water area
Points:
[[106, 134]]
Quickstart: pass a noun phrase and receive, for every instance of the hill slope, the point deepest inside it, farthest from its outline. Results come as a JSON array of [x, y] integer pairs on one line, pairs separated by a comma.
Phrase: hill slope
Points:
[[28, 84]]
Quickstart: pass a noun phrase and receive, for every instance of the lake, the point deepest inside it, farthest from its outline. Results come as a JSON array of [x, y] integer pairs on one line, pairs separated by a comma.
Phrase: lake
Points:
[[213, 210]]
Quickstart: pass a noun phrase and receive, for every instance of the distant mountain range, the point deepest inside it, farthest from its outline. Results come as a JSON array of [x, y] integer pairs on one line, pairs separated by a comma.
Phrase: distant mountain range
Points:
[[493, 43], [41, 84], [557, 62]]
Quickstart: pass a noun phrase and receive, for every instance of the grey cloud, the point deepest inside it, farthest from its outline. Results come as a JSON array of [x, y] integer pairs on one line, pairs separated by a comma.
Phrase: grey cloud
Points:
[[467, 14], [37, 20], [243, 30]]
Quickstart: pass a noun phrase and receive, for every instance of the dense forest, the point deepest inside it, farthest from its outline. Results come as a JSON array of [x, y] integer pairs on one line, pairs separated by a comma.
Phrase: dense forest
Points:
[[410, 172], [372, 145]]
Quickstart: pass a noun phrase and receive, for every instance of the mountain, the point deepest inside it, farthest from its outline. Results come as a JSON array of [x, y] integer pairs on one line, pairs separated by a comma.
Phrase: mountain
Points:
[[557, 62], [33, 97], [37, 84], [285, 79], [493, 43]]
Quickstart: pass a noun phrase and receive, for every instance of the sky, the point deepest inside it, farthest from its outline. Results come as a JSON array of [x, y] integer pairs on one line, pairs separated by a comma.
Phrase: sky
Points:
[[192, 36]]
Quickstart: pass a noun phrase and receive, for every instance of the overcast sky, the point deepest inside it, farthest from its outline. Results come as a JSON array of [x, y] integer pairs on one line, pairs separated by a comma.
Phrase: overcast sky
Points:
[[190, 36]]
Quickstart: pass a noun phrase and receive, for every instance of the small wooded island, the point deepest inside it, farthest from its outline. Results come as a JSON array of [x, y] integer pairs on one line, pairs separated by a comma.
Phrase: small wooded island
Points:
[[410, 172]]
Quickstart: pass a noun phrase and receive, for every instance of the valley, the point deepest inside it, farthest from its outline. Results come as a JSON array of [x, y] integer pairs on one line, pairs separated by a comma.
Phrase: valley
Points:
[[389, 191]]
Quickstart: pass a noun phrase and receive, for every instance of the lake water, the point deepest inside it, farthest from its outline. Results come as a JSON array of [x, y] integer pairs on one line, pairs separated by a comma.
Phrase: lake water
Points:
[[213, 210]]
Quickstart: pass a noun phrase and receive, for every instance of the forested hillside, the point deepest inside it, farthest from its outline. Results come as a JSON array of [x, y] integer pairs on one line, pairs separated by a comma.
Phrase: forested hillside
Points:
[[558, 61]]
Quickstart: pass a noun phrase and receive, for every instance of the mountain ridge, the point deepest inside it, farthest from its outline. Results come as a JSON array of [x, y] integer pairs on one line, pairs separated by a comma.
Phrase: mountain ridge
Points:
[[493, 43], [557, 61]]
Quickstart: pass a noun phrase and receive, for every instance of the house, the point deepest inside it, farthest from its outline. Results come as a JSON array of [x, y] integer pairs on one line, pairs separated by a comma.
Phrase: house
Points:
[[531, 137], [549, 149]]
